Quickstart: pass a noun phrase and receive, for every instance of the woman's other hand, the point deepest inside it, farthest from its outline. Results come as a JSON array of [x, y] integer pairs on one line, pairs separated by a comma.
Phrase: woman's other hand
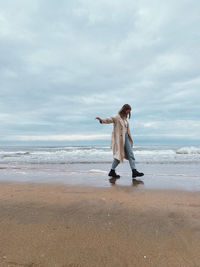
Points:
[[100, 120]]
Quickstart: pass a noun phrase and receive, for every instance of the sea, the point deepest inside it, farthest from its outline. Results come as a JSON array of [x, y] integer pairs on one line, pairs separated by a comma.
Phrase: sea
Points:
[[89, 165]]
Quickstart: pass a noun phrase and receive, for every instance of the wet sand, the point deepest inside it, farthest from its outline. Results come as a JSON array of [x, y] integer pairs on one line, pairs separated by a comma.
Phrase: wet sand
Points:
[[65, 225]]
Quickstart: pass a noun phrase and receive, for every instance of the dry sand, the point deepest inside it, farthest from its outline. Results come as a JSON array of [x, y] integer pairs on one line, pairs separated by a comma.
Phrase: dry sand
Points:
[[60, 225]]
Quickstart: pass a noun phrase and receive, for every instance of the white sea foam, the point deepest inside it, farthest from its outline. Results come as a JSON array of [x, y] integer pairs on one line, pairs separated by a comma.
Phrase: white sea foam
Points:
[[97, 171], [155, 152], [61, 155], [188, 150]]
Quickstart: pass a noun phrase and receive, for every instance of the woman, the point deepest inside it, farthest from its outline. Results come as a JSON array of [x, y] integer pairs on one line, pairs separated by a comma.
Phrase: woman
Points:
[[121, 141]]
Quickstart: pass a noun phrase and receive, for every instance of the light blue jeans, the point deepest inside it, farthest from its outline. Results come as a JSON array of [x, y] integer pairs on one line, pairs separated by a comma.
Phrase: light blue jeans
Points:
[[129, 151]]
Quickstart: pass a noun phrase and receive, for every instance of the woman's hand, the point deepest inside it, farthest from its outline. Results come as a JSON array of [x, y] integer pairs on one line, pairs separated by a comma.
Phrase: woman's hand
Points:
[[100, 120]]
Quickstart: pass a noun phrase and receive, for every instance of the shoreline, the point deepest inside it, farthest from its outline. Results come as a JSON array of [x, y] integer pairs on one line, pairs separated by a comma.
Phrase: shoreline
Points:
[[72, 225], [156, 176]]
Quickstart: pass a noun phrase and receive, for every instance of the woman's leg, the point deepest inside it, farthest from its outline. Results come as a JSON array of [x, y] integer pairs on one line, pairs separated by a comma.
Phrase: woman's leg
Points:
[[115, 163], [129, 152], [112, 171]]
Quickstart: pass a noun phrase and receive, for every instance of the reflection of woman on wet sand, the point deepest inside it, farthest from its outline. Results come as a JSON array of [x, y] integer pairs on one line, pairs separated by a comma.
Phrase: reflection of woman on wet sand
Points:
[[121, 142]]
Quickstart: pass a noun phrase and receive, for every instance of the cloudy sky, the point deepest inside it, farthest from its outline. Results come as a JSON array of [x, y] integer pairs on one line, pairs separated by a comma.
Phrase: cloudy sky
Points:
[[65, 62]]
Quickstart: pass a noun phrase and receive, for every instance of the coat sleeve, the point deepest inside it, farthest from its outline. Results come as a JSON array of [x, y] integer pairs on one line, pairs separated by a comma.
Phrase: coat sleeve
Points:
[[107, 120]]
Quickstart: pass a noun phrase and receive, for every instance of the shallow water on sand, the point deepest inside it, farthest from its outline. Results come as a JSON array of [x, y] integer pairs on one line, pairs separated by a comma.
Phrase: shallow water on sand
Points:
[[181, 176]]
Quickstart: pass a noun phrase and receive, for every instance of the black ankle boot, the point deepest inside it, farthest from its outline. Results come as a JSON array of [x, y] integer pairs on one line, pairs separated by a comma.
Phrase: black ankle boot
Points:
[[113, 174], [135, 173]]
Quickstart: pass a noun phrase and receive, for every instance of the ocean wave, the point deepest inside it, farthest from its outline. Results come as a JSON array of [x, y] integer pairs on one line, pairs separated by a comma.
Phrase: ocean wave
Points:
[[15, 154], [188, 150], [65, 155]]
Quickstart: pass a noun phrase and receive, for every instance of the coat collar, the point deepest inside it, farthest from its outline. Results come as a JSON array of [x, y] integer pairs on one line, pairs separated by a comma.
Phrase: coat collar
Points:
[[120, 119]]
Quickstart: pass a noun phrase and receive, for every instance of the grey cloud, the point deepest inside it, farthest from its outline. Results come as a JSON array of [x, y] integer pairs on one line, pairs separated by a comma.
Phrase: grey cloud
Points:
[[64, 63]]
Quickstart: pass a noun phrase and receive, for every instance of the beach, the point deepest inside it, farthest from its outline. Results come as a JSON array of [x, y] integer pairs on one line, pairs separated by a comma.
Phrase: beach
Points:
[[49, 224], [59, 208]]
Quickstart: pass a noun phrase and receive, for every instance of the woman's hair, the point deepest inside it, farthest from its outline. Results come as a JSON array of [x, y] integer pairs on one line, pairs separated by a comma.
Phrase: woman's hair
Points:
[[122, 111]]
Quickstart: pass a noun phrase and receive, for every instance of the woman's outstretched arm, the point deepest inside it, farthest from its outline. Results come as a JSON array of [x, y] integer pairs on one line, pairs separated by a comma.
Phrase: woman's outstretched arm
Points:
[[107, 120]]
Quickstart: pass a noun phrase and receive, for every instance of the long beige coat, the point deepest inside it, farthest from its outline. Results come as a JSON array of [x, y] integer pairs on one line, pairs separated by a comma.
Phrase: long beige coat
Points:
[[118, 136]]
